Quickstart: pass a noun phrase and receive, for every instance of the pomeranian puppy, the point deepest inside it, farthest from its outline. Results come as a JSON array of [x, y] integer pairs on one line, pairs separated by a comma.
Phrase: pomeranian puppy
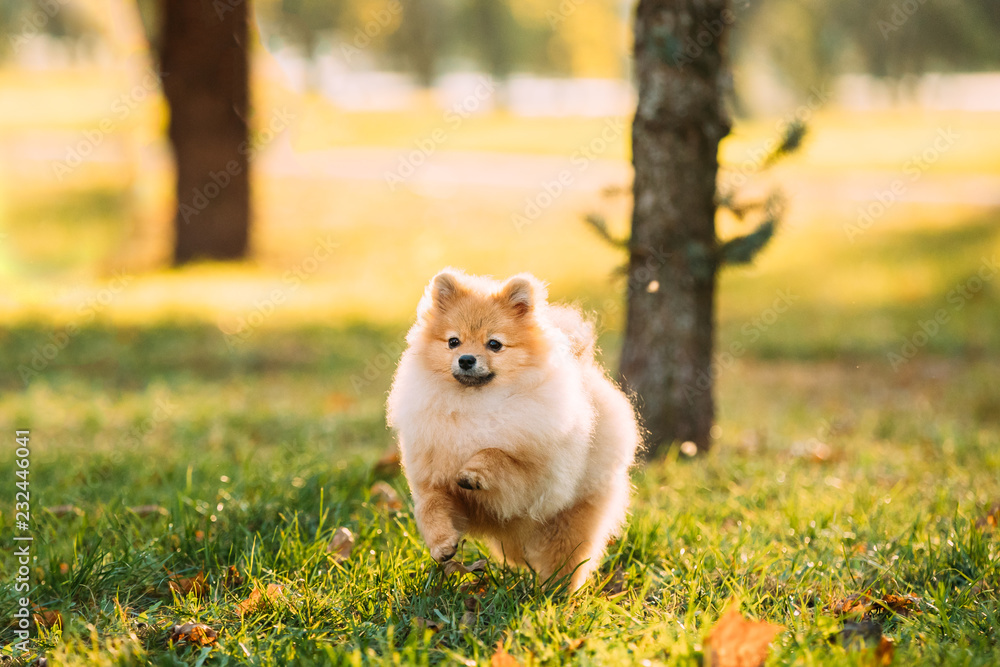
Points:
[[509, 430]]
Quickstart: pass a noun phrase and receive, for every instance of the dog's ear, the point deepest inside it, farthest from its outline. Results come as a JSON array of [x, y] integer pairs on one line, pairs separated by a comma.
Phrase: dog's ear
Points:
[[523, 293], [440, 293], [444, 288]]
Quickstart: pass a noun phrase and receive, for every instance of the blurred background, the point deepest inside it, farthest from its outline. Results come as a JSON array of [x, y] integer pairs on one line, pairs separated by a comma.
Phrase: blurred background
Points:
[[390, 139]]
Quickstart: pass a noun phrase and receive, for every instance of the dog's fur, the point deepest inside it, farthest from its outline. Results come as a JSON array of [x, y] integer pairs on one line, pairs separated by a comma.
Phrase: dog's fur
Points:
[[531, 448]]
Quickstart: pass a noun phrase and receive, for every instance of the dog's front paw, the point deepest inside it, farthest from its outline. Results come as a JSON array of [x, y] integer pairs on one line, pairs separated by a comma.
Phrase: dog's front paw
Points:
[[444, 551], [471, 480]]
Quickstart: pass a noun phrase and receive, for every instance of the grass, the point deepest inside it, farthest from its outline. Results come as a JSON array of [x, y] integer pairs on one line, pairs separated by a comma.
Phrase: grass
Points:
[[257, 455]]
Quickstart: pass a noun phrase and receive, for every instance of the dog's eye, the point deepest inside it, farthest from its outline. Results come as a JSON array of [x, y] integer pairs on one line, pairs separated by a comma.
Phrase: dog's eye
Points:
[[494, 345], [454, 342]]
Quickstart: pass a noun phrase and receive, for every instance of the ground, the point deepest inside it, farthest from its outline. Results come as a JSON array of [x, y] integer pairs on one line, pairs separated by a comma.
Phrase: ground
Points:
[[192, 421]]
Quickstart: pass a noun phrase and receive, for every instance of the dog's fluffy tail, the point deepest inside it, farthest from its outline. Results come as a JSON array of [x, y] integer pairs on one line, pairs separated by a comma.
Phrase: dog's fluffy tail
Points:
[[577, 328]]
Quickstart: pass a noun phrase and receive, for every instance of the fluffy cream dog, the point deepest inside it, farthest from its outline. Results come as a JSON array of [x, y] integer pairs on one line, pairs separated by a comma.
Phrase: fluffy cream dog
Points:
[[509, 429]]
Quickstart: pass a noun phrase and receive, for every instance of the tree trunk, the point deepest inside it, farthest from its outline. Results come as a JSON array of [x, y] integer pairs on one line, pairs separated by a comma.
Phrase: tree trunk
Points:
[[204, 59], [680, 119]]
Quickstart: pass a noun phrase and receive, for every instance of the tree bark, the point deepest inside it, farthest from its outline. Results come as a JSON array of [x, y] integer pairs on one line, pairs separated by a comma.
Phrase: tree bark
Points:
[[205, 64], [680, 119]]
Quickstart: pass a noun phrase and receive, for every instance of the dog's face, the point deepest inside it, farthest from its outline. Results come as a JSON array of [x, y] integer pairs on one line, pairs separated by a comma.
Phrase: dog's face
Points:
[[475, 333]]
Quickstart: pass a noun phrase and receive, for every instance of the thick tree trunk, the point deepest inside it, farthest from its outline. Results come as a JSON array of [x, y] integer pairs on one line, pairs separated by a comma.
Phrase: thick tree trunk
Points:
[[204, 59], [680, 119]]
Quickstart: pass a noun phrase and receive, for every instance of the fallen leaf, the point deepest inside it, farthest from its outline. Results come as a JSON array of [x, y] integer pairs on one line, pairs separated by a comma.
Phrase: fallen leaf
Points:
[[865, 605], [341, 544], [572, 645], [900, 604], [46, 618], [193, 633], [184, 585], [143, 511], [453, 566], [258, 599], [390, 464], [737, 642], [503, 659], [60, 511], [233, 578], [425, 624], [852, 604], [384, 495], [991, 520], [468, 619], [885, 651], [63, 568], [472, 604]]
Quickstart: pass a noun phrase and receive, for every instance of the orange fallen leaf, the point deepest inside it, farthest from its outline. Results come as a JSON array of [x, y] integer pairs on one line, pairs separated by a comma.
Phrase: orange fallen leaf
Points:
[[233, 577], [859, 604], [453, 566], [737, 642], [503, 659], [48, 619], [384, 495], [143, 511], [184, 585], [341, 544], [899, 604], [865, 606], [990, 520], [885, 651], [63, 568], [258, 599], [193, 633]]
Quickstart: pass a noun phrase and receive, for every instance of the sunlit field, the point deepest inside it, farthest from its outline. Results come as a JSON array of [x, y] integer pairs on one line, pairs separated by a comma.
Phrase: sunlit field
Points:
[[188, 421]]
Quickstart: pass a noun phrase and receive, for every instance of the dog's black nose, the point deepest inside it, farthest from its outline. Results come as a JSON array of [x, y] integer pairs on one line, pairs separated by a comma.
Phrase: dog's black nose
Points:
[[466, 362]]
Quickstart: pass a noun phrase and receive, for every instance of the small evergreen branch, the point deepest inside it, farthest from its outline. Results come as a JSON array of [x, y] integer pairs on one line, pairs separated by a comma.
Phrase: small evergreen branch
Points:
[[795, 132], [599, 225]]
